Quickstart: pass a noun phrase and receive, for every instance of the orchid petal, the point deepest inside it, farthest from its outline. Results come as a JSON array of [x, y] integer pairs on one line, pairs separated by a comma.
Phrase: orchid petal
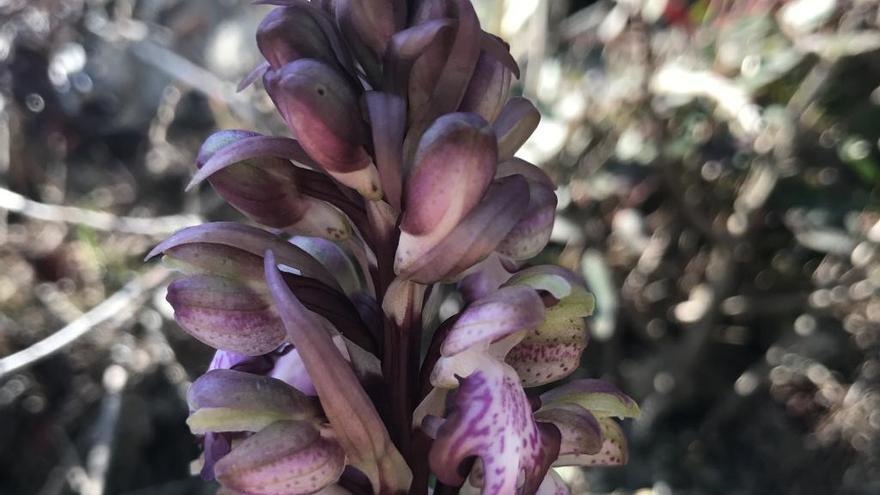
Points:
[[516, 122], [553, 350], [290, 369], [253, 174], [374, 22], [333, 258], [558, 281], [491, 419], [530, 171], [285, 458], [231, 250], [261, 186], [434, 404], [214, 446], [333, 306], [228, 400], [225, 314], [423, 261], [599, 397], [484, 278], [351, 413], [226, 360], [431, 58], [580, 430], [493, 317], [614, 451]]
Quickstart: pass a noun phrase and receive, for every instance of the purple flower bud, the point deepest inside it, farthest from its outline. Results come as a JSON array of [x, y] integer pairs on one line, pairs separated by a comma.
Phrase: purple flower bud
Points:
[[454, 164], [262, 188], [285, 458], [334, 259], [226, 400], [243, 168], [225, 314], [488, 89], [367, 26], [427, 68], [516, 122], [580, 430], [532, 233], [426, 260], [290, 33], [322, 109], [235, 251]]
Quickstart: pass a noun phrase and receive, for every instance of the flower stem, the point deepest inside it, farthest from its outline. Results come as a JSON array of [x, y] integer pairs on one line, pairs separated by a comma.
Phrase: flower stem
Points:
[[402, 306]]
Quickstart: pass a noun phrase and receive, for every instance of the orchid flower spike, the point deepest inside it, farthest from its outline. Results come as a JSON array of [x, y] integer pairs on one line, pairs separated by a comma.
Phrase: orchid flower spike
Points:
[[399, 175]]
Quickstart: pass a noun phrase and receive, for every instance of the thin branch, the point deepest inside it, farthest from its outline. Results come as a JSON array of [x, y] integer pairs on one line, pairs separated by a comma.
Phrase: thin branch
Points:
[[98, 220], [186, 72], [100, 455], [732, 100], [113, 310]]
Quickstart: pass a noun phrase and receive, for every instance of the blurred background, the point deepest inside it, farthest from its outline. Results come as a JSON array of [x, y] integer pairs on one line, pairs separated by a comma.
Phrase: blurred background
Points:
[[717, 164]]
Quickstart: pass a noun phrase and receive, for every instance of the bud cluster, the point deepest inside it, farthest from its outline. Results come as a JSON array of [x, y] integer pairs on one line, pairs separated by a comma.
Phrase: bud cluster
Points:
[[399, 182]]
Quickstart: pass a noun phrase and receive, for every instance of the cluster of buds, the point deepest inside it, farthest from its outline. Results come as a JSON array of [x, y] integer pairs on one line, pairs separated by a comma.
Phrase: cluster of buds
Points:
[[399, 185]]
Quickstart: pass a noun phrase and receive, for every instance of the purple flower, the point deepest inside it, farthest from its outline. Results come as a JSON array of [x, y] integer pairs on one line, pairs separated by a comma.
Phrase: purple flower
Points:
[[400, 175]]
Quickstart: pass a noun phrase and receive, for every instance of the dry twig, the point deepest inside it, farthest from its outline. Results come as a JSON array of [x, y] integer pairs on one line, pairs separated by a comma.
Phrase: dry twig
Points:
[[98, 220], [113, 310]]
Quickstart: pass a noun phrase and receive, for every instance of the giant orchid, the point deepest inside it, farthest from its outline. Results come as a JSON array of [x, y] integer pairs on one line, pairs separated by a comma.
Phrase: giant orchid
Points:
[[399, 186]]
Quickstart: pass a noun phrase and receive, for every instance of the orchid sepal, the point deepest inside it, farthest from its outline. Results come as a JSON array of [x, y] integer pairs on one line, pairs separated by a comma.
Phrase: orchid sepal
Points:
[[285, 458]]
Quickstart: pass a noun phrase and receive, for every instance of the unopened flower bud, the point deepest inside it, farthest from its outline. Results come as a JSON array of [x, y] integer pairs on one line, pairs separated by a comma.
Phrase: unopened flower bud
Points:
[[265, 187], [285, 458], [532, 233], [225, 314], [516, 122], [367, 25], [454, 164], [290, 33], [478, 235], [226, 400], [488, 89], [322, 109]]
